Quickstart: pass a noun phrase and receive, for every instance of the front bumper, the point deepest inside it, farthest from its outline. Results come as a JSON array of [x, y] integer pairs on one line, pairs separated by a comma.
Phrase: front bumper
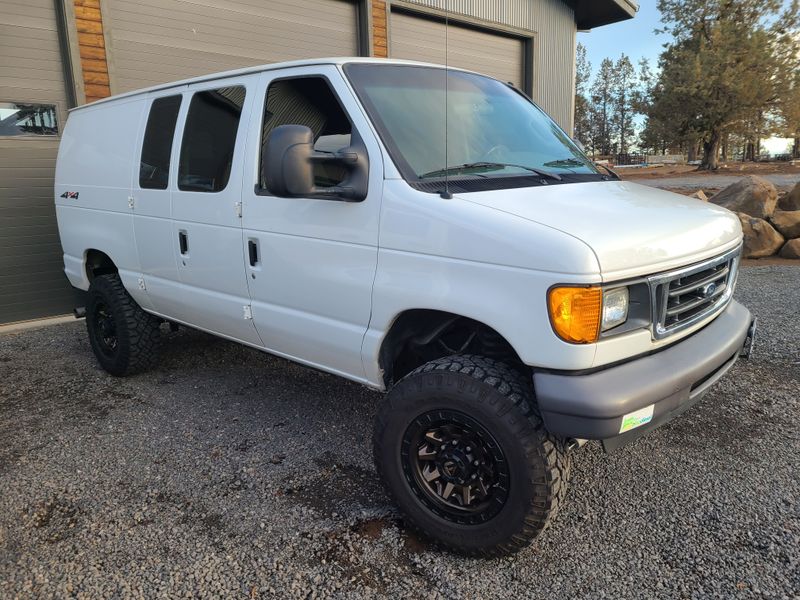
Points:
[[651, 390]]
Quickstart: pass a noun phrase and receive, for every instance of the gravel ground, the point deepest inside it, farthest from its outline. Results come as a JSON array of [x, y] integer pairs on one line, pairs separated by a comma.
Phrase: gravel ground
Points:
[[227, 472]]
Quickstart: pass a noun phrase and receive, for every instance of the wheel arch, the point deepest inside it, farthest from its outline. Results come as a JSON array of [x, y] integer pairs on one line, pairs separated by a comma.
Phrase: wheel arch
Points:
[[419, 335], [96, 262]]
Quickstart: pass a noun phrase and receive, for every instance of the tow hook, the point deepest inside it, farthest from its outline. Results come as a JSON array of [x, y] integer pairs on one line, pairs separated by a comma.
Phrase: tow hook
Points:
[[749, 341], [574, 443]]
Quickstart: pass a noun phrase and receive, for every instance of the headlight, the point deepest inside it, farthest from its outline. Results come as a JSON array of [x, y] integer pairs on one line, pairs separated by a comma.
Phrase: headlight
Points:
[[615, 308], [579, 314]]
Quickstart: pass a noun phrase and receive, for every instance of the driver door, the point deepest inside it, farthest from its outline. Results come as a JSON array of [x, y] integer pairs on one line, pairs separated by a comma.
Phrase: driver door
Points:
[[311, 262]]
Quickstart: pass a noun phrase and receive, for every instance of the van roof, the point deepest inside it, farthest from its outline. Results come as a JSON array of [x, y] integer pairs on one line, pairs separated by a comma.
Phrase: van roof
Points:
[[341, 60]]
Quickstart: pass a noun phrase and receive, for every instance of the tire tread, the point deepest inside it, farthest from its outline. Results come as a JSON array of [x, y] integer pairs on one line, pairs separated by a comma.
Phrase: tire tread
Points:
[[539, 445], [141, 346]]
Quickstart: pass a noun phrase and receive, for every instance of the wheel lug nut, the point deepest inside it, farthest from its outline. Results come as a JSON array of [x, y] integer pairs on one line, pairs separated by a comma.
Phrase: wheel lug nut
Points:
[[474, 476], [469, 448], [443, 447], [455, 443], [476, 463]]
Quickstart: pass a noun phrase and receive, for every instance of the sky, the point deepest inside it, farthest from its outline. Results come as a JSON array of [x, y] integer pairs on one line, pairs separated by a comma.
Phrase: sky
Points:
[[634, 37]]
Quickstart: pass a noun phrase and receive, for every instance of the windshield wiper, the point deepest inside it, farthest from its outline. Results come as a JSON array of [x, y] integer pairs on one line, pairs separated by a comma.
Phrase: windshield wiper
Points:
[[614, 174], [565, 162], [574, 162], [489, 166]]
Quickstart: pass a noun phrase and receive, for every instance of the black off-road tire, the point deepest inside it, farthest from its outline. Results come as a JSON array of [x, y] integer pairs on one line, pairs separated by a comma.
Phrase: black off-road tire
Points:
[[136, 333], [500, 400]]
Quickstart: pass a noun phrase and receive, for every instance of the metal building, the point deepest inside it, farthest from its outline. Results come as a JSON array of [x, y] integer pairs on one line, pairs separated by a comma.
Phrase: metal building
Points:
[[55, 54]]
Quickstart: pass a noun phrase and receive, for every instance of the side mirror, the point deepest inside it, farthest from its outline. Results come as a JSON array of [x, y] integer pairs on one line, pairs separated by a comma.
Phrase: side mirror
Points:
[[287, 166]]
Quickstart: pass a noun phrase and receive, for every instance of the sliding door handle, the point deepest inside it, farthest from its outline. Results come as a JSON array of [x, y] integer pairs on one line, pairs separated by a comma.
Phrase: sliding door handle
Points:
[[183, 241], [252, 251]]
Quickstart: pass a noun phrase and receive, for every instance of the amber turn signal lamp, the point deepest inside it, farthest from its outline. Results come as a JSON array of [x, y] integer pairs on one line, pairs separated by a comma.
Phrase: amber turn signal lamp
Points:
[[575, 313]]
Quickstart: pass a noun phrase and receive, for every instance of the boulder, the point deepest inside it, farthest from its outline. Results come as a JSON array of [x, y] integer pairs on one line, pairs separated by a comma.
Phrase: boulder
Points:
[[760, 238], [791, 249], [751, 195], [790, 201], [700, 195], [787, 222]]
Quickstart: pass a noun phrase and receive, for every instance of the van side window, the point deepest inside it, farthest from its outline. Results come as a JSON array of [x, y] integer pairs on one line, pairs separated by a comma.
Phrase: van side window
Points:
[[309, 101], [157, 145], [209, 139]]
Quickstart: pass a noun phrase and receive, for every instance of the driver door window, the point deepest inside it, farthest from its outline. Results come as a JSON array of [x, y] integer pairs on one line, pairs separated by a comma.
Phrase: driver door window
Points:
[[309, 101]]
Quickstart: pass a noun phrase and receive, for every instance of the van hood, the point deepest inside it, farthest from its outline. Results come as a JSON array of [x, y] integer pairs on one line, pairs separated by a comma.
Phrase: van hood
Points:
[[633, 229]]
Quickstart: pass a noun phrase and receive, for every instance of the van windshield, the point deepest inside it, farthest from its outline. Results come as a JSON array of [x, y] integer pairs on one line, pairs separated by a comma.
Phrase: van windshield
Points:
[[493, 130]]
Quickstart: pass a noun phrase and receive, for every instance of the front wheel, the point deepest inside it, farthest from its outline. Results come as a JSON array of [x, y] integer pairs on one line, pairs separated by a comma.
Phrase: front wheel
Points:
[[463, 452], [125, 339]]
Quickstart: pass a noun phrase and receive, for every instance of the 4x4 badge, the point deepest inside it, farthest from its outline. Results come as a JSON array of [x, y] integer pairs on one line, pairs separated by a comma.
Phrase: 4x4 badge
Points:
[[70, 195]]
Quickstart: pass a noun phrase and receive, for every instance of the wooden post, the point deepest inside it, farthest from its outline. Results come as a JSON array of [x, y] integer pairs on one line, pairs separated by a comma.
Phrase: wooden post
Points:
[[91, 43], [380, 40]]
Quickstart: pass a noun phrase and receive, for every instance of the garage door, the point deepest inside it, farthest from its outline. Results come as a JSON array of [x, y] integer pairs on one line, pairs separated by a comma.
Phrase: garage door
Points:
[[157, 41], [419, 38], [32, 109]]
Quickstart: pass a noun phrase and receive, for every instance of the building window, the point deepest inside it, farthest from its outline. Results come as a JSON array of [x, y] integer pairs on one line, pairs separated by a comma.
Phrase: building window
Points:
[[310, 101], [18, 119], [157, 146], [209, 139]]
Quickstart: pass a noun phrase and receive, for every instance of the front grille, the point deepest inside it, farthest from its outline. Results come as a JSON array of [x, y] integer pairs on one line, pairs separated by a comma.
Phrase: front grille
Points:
[[688, 295]]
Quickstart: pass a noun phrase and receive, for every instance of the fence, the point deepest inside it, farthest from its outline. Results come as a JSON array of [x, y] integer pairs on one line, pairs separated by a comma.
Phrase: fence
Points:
[[645, 159], [666, 159], [629, 159]]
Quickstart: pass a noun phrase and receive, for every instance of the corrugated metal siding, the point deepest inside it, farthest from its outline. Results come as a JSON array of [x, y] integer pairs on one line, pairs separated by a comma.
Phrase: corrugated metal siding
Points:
[[416, 38], [554, 52], [32, 281], [157, 41]]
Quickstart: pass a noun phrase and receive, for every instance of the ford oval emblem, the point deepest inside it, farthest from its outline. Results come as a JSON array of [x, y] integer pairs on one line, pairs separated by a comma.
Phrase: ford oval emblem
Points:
[[708, 290]]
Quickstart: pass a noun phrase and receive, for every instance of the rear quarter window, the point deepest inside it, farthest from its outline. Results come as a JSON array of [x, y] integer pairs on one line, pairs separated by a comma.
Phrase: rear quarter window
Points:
[[157, 145]]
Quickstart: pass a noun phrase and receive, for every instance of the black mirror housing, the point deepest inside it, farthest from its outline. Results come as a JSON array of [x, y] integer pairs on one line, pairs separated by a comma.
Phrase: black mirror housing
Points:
[[287, 166]]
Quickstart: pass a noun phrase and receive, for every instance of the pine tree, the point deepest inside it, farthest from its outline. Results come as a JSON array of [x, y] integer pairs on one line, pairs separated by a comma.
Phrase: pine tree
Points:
[[583, 73], [725, 70], [623, 96], [790, 112], [603, 108]]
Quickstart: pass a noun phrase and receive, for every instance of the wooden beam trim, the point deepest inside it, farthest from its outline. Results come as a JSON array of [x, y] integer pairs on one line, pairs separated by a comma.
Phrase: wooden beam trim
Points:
[[92, 49]]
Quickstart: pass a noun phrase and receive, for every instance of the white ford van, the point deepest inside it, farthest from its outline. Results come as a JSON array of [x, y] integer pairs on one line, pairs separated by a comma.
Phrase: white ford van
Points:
[[511, 298]]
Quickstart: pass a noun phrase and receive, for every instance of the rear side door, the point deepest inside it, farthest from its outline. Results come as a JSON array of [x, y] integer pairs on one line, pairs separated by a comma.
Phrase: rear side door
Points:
[[310, 262], [152, 200], [206, 235]]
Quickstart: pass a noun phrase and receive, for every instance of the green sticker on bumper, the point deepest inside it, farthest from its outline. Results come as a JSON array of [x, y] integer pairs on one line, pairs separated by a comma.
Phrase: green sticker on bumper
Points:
[[637, 418]]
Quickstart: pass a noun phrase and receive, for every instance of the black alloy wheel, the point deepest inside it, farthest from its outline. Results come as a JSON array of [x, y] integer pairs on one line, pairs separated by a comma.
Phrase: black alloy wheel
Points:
[[106, 329], [455, 467]]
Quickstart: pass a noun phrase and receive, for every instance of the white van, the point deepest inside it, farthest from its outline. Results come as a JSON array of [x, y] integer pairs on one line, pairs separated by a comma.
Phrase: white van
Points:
[[512, 299]]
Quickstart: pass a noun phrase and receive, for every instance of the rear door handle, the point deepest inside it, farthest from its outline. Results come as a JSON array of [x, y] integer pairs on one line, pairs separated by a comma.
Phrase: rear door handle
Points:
[[183, 241], [252, 251]]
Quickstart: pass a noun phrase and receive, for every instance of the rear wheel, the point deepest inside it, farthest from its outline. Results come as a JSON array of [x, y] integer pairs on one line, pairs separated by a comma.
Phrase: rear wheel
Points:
[[463, 452], [125, 339]]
